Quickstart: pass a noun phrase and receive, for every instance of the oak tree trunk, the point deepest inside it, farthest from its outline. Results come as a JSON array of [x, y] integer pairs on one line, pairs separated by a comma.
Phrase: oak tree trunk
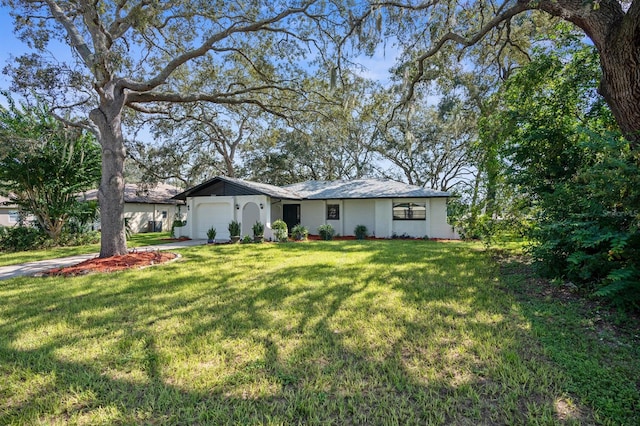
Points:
[[620, 84], [108, 118]]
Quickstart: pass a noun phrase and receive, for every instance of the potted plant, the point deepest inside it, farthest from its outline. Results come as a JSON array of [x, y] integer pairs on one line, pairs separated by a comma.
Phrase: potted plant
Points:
[[258, 232], [234, 231], [211, 235]]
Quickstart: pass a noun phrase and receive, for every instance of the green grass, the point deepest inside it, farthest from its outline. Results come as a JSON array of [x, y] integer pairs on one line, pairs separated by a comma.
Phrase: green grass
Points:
[[136, 240], [349, 332]]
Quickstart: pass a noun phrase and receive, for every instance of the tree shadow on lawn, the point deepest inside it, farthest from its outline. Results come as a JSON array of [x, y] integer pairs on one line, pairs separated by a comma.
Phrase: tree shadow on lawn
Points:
[[378, 342]]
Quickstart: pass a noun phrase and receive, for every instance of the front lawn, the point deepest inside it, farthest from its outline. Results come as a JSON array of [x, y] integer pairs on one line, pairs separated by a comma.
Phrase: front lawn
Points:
[[136, 240], [348, 332]]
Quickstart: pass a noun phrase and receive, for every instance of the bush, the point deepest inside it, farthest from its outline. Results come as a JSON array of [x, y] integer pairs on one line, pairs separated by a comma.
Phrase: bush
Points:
[[280, 230], [326, 232], [299, 233], [246, 239], [211, 234], [258, 229], [361, 232], [234, 228], [176, 224], [79, 238], [21, 238]]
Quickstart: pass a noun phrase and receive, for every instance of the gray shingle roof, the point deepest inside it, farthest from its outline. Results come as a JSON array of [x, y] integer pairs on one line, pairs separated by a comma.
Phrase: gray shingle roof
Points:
[[133, 193], [361, 188]]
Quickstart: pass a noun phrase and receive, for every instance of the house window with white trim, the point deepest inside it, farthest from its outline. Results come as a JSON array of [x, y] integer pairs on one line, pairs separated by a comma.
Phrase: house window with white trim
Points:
[[409, 211], [333, 211]]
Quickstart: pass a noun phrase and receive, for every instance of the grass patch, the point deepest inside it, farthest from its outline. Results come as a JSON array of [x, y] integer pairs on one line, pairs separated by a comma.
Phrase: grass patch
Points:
[[348, 332], [136, 240], [597, 349]]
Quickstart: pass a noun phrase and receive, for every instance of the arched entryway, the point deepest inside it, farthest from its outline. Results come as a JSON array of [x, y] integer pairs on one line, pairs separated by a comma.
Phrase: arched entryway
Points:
[[250, 215]]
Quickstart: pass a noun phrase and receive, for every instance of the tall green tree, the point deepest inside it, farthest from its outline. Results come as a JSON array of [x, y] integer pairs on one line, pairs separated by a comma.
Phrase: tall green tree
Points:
[[426, 29], [141, 55], [562, 149], [44, 165]]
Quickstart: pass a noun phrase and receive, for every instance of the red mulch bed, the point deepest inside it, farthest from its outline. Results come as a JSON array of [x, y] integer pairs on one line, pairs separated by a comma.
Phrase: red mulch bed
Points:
[[114, 263]]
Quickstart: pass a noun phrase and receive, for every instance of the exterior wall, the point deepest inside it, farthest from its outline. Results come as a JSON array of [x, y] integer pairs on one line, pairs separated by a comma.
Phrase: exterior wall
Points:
[[140, 215], [412, 228], [7, 217], [358, 212], [218, 211], [439, 227], [384, 219], [375, 214], [312, 214]]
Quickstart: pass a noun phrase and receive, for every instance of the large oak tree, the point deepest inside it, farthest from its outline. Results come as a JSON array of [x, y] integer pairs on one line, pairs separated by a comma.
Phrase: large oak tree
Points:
[[427, 27], [139, 55]]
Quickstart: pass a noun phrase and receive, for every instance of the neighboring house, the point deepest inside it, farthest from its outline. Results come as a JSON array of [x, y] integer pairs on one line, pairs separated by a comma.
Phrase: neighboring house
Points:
[[148, 209], [385, 207], [9, 215]]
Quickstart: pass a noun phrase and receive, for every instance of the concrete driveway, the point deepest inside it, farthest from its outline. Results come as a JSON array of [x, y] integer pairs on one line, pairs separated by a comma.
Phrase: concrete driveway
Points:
[[33, 268]]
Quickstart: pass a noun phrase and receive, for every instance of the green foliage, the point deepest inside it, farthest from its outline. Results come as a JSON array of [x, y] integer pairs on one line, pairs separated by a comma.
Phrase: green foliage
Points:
[[280, 230], [211, 233], [21, 238], [258, 229], [234, 228], [44, 165], [176, 224], [326, 232], [579, 180], [246, 239], [589, 230], [299, 232], [361, 232]]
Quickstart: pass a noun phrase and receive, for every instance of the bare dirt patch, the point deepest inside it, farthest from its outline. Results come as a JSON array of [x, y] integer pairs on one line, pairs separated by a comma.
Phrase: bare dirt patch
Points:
[[114, 263]]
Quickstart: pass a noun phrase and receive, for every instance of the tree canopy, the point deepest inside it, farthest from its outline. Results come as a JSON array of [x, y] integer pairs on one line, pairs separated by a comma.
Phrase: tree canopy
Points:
[[44, 164], [141, 56]]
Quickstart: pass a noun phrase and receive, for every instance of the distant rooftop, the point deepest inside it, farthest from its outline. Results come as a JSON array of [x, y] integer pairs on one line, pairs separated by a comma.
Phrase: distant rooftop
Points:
[[134, 193]]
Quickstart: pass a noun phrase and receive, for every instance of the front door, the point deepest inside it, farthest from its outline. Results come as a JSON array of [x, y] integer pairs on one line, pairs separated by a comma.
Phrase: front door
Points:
[[291, 215]]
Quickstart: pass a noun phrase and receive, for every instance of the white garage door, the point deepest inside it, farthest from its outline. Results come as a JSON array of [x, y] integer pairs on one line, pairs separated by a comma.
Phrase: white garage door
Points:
[[217, 215]]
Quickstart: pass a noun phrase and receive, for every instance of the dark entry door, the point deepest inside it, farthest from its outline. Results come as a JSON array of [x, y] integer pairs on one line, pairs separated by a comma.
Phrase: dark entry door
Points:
[[291, 215]]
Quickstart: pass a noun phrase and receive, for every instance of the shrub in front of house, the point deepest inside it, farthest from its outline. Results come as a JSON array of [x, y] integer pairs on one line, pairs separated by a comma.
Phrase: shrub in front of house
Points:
[[361, 232], [299, 233], [211, 234], [20, 238], [234, 228], [326, 232], [280, 230]]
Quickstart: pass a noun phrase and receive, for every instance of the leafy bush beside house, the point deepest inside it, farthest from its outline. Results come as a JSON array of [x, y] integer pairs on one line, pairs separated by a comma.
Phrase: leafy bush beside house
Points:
[[361, 232], [299, 233], [280, 230], [326, 232]]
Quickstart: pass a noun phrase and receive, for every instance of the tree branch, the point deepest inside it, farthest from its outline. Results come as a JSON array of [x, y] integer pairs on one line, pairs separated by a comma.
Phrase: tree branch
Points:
[[76, 40], [162, 76]]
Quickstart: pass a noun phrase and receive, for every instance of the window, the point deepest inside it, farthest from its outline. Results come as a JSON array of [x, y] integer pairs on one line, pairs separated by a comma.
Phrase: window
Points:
[[409, 211], [164, 214], [14, 216], [333, 211]]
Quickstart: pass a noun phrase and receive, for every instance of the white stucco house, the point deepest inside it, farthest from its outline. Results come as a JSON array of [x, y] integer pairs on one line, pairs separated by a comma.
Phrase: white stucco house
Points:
[[148, 208], [9, 212], [385, 207]]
